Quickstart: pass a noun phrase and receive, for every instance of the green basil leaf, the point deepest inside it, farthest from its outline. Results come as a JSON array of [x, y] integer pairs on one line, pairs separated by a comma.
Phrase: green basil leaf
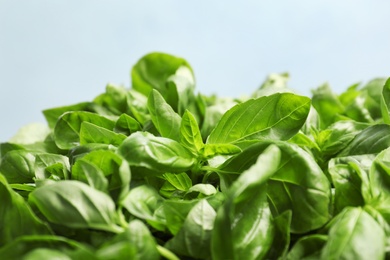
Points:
[[165, 119], [114, 99], [16, 217], [135, 242], [298, 185], [348, 236], [127, 125], [18, 166], [210, 150], [308, 247], [372, 140], [67, 129], [385, 102], [153, 70], [194, 237], [90, 174], [91, 133], [180, 181], [244, 223], [145, 203], [24, 248], [156, 153], [201, 190], [176, 212], [327, 105], [76, 205], [190, 135], [279, 116], [347, 183]]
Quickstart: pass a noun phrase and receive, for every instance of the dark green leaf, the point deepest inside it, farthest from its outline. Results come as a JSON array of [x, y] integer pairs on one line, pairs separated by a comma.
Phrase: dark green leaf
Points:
[[18, 166], [16, 217], [372, 140]]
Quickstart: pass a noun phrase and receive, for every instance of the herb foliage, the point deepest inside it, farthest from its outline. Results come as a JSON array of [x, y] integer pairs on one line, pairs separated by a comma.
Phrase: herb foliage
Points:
[[160, 171]]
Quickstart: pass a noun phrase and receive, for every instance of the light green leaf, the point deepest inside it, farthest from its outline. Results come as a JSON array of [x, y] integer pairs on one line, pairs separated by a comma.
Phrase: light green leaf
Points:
[[25, 248], [114, 99], [127, 125], [91, 133], [354, 234], [210, 150], [327, 105], [180, 181], [190, 135], [30, 134], [144, 202]]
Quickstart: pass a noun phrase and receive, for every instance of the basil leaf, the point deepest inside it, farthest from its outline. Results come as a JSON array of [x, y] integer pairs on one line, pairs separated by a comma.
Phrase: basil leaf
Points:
[[91, 133], [153, 70], [348, 236], [156, 153], [194, 237], [76, 205], [279, 116], [190, 135], [16, 217], [164, 118], [245, 224], [299, 184], [67, 128]]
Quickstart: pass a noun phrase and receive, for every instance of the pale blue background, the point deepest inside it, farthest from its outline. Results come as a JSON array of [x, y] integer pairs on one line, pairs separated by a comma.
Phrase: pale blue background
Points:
[[56, 53]]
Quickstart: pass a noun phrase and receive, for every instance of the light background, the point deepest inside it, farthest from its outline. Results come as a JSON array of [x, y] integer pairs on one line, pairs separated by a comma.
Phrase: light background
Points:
[[55, 53]]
